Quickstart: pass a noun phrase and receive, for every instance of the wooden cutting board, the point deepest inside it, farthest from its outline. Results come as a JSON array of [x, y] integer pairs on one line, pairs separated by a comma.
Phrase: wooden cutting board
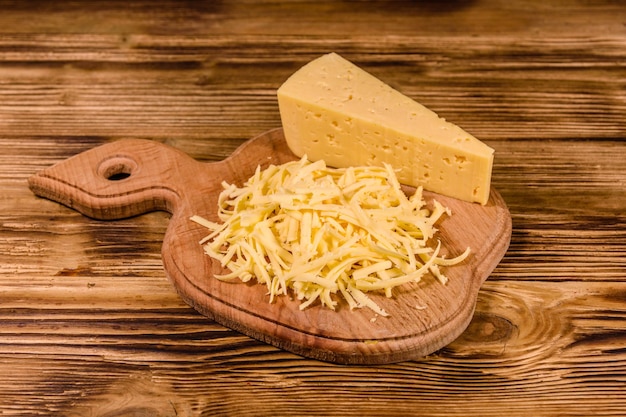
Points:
[[130, 177]]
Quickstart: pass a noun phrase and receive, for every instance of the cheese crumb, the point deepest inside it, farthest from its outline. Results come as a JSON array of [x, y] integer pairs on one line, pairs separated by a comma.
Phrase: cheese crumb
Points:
[[324, 233]]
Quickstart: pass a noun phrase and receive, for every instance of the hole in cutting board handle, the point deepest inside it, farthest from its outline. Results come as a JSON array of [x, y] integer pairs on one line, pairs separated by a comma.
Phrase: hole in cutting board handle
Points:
[[117, 168]]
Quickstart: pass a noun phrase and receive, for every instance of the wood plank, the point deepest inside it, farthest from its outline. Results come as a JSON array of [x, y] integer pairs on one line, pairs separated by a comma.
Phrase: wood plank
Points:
[[521, 352], [174, 87], [304, 18]]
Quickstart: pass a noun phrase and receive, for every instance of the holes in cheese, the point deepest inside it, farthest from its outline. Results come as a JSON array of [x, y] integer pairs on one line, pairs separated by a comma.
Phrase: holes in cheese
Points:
[[335, 111], [322, 233]]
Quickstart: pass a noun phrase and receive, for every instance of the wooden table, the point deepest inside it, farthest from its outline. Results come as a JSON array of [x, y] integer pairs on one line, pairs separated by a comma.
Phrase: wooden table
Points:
[[89, 324]]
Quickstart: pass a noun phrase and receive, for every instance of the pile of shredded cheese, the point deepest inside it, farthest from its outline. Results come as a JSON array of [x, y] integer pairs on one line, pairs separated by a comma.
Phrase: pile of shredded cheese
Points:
[[322, 232]]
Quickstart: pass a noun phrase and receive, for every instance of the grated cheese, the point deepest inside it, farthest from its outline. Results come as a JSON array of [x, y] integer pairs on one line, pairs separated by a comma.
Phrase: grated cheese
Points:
[[323, 233]]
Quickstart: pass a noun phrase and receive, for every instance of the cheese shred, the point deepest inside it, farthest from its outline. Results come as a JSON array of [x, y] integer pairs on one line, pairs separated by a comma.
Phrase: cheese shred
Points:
[[325, 234]]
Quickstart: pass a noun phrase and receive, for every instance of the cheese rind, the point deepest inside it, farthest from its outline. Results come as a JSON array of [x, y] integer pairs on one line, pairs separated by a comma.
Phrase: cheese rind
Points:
[[335, 111]]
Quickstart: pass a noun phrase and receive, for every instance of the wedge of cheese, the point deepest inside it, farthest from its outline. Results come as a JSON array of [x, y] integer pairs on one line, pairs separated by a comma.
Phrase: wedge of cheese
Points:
[[335, 111]]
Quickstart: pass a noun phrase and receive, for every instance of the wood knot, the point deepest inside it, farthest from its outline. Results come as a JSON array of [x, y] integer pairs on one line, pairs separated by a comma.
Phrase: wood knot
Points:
[[488, 328]]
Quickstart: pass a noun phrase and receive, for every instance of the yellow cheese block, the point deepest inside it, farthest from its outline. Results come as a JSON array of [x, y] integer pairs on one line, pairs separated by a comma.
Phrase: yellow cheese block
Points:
[[333, 110]]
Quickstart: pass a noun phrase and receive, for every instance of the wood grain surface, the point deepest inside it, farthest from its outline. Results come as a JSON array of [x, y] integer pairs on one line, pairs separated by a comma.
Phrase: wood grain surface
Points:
[[90, 326]]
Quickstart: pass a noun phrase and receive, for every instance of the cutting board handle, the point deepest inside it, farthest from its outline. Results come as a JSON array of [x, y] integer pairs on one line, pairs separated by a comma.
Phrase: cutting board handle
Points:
[[118, 180]]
